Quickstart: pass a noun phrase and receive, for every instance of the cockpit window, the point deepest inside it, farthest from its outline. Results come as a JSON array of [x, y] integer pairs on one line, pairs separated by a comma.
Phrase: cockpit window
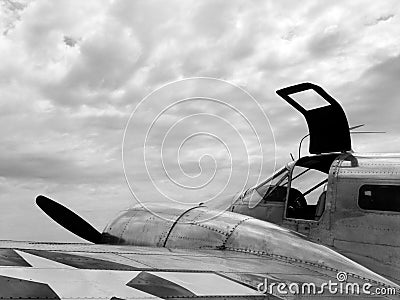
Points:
[[309, 182], [300, 184], [379, 197], [274, 189], [306, 194]]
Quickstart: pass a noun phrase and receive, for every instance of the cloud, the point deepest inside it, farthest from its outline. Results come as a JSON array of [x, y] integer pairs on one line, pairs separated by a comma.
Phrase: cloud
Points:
[[378, 87], [72, 72]]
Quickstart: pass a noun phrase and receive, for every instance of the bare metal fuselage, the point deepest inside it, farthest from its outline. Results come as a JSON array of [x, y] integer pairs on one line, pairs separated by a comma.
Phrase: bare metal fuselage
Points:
[[202, 228], [368, 236]]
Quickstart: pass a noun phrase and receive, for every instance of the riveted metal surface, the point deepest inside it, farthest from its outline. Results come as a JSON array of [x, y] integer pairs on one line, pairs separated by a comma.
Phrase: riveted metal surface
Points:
[[8, 257], [12, 288], [243, 265], [203, 228], [144, 226], [114, 231], [371, 166], [81, 261], [256, 236], [367, 236]]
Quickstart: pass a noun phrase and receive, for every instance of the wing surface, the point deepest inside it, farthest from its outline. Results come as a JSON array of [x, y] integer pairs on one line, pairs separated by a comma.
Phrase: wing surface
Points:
[[85, 271]]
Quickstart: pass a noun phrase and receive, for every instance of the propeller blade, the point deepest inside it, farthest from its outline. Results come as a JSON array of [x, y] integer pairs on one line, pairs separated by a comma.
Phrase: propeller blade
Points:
[[68, 219]]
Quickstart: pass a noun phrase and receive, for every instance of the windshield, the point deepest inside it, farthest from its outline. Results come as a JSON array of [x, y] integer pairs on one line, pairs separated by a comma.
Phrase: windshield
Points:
[[301, 185], [268, 187], [273, 188]]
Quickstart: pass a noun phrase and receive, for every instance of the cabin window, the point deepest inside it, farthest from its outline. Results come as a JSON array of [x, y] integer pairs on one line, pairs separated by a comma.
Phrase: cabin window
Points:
[[379, 197]]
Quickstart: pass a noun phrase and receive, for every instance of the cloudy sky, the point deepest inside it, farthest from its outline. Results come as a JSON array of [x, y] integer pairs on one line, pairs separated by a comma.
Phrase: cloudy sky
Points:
[[72, 73]]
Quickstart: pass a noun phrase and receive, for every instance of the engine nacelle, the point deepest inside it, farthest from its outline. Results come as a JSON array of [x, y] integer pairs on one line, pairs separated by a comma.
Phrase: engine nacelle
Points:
[[201, 228], [175, 227]]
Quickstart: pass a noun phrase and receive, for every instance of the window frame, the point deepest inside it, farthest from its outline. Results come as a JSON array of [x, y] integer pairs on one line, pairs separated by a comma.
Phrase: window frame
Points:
[[376, 210], [289, 185]]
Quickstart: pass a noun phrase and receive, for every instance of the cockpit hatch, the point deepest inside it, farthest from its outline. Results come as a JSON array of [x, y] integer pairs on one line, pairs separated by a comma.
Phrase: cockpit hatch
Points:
[[327, 125]]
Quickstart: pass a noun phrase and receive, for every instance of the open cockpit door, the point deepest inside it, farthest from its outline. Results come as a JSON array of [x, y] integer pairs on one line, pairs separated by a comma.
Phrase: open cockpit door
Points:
[[327, 125]]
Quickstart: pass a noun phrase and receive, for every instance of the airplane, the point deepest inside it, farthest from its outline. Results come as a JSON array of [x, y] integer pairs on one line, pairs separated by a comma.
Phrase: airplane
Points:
[[345, 200], [271, 243]]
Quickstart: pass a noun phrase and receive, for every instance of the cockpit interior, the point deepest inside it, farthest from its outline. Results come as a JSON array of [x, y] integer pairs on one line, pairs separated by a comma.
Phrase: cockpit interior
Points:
[[301, 185]]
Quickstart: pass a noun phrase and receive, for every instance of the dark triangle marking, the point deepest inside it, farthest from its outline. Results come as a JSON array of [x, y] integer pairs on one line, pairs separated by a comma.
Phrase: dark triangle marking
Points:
[[13, 288], [10, 258], [158, 286], [233, 297], [81, 262]]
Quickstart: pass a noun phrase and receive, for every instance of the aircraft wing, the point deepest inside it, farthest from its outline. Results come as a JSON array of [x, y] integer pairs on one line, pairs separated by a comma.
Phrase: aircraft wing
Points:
[[31, 270]]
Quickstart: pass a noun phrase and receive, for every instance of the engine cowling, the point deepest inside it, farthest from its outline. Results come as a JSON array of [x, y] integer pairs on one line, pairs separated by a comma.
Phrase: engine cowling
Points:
[[175, 227], [201, 228]]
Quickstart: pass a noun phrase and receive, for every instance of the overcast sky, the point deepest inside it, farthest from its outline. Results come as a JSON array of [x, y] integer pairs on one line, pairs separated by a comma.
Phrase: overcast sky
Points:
[[72, 72]]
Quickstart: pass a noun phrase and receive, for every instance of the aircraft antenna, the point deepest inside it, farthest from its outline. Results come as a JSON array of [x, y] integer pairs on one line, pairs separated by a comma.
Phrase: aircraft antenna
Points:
[[358, 126]]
